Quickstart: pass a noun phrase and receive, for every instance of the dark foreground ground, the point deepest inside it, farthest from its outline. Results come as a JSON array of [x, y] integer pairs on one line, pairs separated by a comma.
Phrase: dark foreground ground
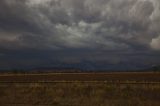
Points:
[[83, 89]]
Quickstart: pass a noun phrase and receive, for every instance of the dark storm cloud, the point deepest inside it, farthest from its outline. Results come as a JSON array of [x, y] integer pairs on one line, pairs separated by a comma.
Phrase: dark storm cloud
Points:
[[128, 26], [74, 23]]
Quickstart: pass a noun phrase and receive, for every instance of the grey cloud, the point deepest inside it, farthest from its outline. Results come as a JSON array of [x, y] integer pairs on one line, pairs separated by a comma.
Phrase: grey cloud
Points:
[[98, 25], [36, 21], [155, 44]]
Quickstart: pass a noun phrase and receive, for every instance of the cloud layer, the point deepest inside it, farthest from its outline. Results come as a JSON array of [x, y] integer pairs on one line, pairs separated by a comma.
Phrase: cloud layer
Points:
[[98, 25]]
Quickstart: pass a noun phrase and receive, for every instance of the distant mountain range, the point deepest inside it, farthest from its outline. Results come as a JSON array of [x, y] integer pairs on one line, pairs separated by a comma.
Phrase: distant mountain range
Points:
[[86, 66], [154, 68]]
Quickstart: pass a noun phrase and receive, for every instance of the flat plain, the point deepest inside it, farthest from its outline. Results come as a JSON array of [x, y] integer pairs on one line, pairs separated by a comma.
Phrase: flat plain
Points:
[[58, 77], [80, 89]]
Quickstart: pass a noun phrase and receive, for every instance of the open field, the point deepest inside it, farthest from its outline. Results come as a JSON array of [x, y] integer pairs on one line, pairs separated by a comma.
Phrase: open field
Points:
[[58, 77], [80, 89]]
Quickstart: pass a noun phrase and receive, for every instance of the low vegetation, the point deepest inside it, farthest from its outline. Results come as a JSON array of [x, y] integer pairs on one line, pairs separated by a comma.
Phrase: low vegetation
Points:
[[80, 89], [79, 94]]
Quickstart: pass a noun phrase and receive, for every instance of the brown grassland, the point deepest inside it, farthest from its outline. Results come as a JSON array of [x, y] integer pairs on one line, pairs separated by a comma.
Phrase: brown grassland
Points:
[[80, 89]]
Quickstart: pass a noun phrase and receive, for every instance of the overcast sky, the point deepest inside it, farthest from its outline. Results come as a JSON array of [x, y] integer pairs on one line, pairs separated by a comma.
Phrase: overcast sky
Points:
[[96, 33]]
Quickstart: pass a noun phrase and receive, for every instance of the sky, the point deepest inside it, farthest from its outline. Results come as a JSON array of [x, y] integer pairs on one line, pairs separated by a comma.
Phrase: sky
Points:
[[88, 34]]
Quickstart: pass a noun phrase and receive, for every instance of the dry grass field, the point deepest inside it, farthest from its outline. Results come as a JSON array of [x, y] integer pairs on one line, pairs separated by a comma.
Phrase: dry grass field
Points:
[[80, 89], [110, 77]]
